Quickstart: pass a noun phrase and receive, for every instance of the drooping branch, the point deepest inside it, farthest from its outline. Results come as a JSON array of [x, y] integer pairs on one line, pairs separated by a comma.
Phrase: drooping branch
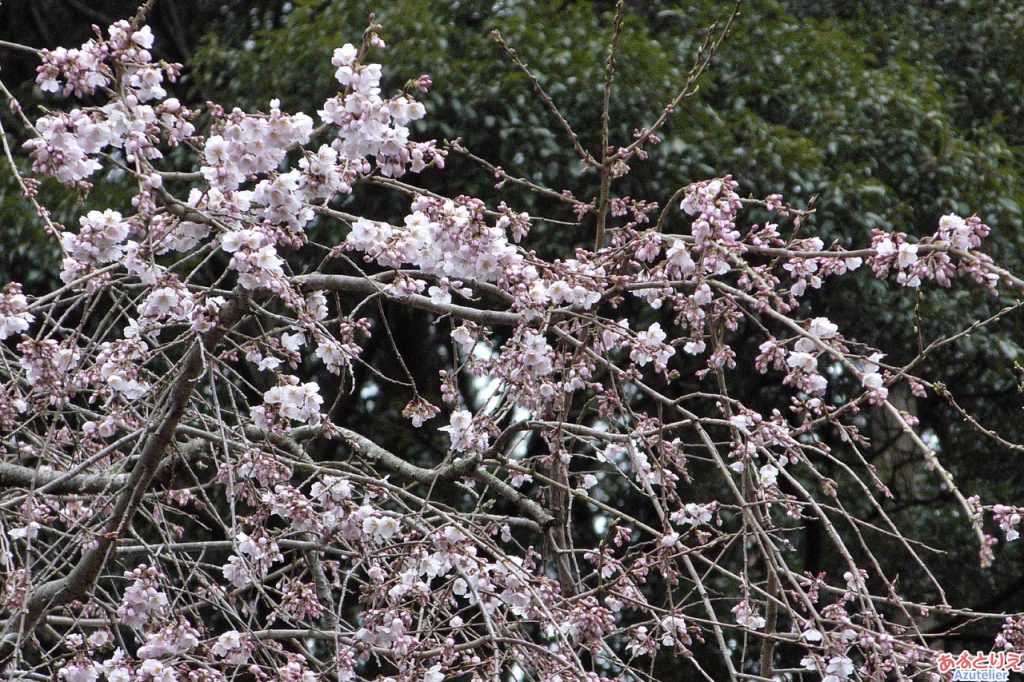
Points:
[[79, 579]]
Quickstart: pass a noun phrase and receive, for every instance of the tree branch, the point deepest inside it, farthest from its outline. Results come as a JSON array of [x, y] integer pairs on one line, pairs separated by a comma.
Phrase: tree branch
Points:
[[83, 575]]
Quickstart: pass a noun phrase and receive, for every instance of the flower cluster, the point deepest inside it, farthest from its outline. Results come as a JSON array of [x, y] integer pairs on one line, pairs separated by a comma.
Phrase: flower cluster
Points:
[[68, 142], [441, 237], [932, 258], [253, 560], [143, 600], [1008, 519], [14, 316], [714, 204], [464, 434], [650, 345], [747, 616], [233, 647], [369, 126], [247, 145], [87, 68], [291, 399]]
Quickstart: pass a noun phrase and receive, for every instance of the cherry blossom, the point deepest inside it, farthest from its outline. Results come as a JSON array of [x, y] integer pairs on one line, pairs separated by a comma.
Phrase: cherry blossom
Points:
[[186, 494]]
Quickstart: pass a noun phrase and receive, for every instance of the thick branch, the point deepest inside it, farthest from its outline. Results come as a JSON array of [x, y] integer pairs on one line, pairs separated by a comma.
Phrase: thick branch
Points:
[[465, 467], [375, 453], [361, 285], [16, 476]]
